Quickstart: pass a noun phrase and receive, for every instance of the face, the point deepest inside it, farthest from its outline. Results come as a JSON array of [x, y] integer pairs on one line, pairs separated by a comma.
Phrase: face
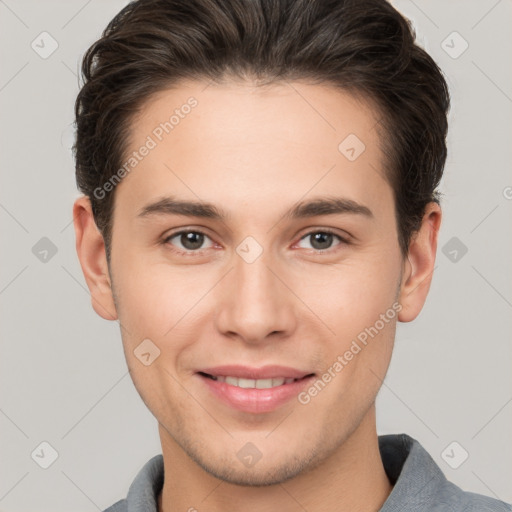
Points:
[[290, 270]]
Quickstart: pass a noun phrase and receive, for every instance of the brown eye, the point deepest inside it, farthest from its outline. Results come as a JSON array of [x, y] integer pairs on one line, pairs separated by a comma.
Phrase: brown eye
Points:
[[187, 240], [322, 240]]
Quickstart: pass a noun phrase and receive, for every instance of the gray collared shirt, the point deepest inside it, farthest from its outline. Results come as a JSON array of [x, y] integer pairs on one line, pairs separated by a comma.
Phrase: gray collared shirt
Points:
[[419, 484]]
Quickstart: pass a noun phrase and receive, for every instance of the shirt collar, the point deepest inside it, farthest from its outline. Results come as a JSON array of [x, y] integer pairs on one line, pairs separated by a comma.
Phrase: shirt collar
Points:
[[411, 470]]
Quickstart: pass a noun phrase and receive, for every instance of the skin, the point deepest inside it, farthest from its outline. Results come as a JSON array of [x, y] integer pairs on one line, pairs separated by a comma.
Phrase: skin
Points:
[[255, 152]]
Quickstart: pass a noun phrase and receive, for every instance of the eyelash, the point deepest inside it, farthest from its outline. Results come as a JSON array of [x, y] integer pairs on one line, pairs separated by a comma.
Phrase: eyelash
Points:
[[165, 241]]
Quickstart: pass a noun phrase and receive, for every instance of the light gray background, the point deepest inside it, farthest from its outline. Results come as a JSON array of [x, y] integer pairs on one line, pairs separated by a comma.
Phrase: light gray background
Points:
[[63, 375]]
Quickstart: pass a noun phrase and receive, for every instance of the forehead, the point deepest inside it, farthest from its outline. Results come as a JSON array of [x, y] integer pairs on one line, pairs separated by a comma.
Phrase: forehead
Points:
[[237, 142], [320, 115]]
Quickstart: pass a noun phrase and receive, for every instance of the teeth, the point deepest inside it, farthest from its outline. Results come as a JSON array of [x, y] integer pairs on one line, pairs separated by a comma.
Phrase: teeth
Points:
[[246, 383], [266, 383], [254, 383], [230, 380]]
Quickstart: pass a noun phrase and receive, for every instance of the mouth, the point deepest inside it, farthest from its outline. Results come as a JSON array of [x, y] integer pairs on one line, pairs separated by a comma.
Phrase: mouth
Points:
[[244, 383], [254, 390]]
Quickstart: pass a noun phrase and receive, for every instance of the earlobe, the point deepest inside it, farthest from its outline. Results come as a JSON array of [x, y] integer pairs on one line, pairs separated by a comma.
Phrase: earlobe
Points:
[[419, 267], [90, 248]]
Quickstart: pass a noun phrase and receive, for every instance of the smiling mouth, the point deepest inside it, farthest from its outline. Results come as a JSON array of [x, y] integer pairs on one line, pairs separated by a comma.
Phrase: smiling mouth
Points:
[[253, 383]]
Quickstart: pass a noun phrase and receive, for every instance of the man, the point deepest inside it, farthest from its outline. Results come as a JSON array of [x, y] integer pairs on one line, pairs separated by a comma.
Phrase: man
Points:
[[259, 210]]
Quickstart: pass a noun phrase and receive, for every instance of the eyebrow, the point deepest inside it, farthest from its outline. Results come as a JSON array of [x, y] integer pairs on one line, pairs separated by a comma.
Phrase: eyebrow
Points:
[[303, 209]]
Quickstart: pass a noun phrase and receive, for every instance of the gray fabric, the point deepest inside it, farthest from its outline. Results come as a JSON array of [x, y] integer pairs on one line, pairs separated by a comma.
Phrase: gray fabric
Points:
[[419, 484]]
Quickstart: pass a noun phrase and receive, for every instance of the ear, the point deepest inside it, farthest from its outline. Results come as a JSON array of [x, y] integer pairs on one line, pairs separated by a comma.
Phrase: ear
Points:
[[419, 267], [90, 248]]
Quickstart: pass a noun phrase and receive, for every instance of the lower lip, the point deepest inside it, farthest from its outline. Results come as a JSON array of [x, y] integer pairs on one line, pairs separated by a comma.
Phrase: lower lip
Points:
[[255, 400]]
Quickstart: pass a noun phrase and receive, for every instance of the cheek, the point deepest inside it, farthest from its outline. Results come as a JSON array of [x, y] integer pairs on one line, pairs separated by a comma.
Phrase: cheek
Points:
[[153, 307], [354, 295], [162, 304], [151, 297], [359, 305]]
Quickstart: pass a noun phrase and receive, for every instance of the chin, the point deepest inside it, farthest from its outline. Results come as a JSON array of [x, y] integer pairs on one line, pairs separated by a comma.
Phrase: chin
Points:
[[263, 473], [255, 477]]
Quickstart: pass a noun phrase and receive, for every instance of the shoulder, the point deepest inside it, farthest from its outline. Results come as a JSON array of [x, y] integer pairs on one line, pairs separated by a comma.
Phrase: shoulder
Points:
[[144, 490], [119, 506], [419, 485], [452, 498]]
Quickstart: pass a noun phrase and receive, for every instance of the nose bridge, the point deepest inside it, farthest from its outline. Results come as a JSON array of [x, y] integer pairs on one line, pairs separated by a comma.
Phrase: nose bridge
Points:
[[255, 303]]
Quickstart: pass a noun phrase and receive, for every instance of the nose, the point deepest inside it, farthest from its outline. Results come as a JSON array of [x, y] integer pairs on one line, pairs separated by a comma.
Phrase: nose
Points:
[[254, 303]]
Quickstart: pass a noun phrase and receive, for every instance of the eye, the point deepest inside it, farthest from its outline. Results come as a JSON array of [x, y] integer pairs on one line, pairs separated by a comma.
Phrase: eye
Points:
[[191, 241], [322, 240]]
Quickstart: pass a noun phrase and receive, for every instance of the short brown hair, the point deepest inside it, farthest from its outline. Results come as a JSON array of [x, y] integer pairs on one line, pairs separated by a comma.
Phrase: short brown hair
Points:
[[362, 46]]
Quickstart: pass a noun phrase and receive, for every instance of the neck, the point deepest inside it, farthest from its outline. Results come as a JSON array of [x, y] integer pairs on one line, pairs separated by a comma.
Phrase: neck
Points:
[[351, 479]]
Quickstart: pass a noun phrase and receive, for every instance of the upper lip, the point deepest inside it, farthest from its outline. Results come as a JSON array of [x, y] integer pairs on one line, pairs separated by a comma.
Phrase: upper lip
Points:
[[247, 372]]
